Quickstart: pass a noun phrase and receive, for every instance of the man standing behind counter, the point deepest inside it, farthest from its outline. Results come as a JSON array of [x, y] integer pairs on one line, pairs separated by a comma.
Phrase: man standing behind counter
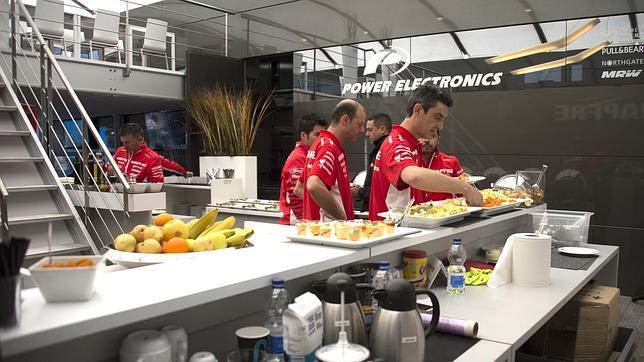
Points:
[[439, 161], [378, 127], [398, 168], [327, 194], [309, 127]]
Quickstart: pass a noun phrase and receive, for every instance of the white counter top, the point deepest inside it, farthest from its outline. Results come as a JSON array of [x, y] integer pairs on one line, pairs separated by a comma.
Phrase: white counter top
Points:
[[511, 314], [187, 186], [107, 200], [251, 212]]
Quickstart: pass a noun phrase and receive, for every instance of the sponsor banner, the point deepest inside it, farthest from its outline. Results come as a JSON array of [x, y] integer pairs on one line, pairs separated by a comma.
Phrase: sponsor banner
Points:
[[445, 81]]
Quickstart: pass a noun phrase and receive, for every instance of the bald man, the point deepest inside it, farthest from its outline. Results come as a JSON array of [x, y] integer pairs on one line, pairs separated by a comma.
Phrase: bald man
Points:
[[327, 193]]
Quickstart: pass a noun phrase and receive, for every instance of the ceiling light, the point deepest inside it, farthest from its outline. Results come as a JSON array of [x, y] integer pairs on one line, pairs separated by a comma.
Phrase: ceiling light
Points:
[[528, 10], [365, 32], [551, 45], [304, 39], [560, 62], [440, 18]]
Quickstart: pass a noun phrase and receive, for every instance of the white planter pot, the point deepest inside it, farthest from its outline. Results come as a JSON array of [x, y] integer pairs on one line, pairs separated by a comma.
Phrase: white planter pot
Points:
[[245, 169]]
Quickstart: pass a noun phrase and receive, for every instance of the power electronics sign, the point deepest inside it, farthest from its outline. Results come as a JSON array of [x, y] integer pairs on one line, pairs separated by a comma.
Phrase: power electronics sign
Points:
[[396, 55]]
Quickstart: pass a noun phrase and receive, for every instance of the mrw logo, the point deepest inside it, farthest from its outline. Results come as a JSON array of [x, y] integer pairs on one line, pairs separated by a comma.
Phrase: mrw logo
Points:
[[393, 55]]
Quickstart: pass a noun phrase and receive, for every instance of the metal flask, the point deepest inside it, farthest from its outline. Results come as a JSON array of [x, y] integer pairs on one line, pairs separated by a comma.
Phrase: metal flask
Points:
[[397, 333], [354, 323]]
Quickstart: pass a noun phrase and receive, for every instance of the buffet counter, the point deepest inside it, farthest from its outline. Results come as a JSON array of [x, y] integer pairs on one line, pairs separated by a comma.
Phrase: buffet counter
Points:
[[212, 296]]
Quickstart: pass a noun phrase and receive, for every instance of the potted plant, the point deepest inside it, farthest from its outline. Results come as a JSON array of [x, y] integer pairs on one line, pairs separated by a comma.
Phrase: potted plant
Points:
[[229, 121]]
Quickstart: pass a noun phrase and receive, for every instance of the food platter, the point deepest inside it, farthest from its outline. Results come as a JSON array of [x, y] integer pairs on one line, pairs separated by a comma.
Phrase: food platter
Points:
[[490, 211], [496, 202], [134, 260], [362, 243], [452, 210]]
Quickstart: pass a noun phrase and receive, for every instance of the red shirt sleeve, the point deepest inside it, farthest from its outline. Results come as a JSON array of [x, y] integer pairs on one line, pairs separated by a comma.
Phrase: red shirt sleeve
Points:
[[458, 170], [155, 170], [325, 165], [398, 157], [172, 166]]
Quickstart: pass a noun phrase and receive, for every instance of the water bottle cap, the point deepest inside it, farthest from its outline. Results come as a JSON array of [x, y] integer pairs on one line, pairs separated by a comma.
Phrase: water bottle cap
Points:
[[383, 265], [277, 283], [457, 241]]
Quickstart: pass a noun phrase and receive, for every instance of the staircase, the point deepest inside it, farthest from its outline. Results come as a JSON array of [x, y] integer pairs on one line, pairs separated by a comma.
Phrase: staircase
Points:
[[36, 197]]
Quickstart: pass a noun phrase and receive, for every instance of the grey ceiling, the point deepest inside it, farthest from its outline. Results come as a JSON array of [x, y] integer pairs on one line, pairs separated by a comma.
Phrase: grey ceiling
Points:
[[279, 26]]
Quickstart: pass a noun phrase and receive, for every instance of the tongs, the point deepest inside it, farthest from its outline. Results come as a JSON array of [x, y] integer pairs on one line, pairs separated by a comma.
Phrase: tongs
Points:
[[400, 217]]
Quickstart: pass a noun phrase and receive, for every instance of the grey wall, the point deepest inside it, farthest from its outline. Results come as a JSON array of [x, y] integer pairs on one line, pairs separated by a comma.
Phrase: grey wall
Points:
[[590, 137]]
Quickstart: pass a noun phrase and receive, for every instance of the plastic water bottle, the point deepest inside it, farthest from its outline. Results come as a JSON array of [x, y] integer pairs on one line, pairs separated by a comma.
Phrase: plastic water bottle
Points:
[[456, 271], [384, 274], [274, 310]]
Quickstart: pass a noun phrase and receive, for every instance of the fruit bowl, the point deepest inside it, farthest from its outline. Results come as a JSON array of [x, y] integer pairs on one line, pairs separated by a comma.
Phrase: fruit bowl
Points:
[[66, 281], [135, 260]]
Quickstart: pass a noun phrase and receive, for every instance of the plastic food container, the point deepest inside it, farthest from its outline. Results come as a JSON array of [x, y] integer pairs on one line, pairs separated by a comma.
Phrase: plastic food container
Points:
[[66, 284], [563, 225]]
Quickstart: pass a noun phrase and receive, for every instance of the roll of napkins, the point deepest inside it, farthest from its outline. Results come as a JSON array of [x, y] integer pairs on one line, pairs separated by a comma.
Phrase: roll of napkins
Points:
[[525, 261]]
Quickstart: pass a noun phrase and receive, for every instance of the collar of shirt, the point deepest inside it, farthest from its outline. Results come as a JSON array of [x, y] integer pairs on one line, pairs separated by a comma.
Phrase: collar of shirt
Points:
[[327, 134], [300, 144], [405, 134]]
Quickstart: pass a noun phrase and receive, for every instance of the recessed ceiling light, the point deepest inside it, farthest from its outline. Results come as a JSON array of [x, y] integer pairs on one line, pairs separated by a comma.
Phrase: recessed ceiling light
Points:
[[528, 10], [440, 18], [304, 39], [365, 32]]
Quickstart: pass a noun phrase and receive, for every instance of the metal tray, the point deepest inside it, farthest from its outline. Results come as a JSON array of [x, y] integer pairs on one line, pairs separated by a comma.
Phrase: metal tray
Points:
[[362, 243]]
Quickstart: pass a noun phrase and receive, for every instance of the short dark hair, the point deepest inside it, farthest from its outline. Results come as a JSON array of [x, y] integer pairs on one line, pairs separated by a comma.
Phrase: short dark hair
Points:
[[307, 123], [131, 129], [428, 95], [350, 108], [381, 120]]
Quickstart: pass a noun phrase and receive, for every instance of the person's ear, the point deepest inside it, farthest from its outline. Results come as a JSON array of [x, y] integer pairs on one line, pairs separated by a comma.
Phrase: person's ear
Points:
[[303, 136], [418, 108]]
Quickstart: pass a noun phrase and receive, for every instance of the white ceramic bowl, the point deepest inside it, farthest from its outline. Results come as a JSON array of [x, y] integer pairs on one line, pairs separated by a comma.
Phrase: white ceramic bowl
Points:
[[69, 284], [154, 187]]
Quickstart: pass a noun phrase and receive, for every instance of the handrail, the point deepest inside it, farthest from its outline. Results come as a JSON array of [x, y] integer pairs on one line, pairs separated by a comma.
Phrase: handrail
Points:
[[72, 94], [4, 195]]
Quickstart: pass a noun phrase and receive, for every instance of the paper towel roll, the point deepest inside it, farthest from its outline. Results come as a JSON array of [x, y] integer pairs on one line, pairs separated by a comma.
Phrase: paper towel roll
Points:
[[531, 259]]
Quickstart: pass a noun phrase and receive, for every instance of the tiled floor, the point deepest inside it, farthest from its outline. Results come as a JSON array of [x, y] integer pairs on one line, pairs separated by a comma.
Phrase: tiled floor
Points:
[[632, 316]]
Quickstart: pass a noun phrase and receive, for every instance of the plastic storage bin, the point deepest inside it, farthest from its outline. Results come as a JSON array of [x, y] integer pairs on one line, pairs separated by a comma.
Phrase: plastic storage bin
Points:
[[563, 225]]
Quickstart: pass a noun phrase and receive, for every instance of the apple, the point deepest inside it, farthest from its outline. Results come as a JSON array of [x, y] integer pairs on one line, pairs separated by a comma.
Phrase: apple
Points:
[[153, 232], [191, 243], [149, 246], [125, 242], [218, 241], [202, 244], [137, 232], [175, 229]]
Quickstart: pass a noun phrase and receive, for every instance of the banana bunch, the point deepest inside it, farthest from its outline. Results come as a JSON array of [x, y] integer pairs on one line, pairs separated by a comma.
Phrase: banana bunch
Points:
[[221, 234], [197, 226]]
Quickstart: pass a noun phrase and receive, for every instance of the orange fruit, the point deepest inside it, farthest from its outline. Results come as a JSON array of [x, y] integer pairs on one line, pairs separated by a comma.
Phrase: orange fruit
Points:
[[176, 245], [162, 219]]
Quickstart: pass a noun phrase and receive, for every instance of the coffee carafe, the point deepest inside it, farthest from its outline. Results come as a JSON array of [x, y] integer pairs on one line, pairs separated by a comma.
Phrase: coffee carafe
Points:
[[397, 333], [354, 323]]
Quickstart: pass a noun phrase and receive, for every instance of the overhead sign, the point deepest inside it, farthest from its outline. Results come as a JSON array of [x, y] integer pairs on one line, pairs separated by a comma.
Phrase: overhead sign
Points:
[[393, 55], [445, 81]]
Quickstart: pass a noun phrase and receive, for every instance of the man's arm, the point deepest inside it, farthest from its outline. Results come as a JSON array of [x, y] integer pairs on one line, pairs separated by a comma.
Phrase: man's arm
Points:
[[172, 166], [322, 196], [432, 181], [299, 190]]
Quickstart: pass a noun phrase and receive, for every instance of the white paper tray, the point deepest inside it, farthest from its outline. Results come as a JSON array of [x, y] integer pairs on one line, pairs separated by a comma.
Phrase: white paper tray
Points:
[[489, 211], [427, 222], [134, 260], [362, 243]]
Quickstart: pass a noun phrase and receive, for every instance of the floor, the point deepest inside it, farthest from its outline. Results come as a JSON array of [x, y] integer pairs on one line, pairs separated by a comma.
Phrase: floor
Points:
[[632, 316]]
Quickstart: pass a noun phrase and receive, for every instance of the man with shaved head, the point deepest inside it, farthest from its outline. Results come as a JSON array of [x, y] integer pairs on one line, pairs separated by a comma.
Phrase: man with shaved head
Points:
[[327, 193]]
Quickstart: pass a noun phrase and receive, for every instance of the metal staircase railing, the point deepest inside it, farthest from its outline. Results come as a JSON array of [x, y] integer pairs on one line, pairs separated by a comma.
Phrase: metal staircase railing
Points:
[[52, 109], [4, 195]]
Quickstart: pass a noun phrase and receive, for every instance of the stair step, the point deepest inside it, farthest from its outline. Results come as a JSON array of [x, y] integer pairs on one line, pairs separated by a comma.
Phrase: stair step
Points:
[[20, 159], [28, 188], [56, 249], [15, 133], [4, 108], [31, 219]]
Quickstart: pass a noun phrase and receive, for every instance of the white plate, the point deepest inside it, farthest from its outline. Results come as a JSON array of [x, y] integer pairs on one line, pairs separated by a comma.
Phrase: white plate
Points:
[[489, 211], [362, 243], [573, 250], [134, 260], [427, 222], [473, 179]]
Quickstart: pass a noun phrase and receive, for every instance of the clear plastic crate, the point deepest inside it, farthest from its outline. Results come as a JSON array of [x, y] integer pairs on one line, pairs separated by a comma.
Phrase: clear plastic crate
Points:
[[566, 226]]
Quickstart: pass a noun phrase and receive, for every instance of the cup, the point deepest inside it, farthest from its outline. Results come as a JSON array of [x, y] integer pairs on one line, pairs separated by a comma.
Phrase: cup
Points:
[[245, 355], [9, 301], [247, 337], [203, 357], [178, 341]]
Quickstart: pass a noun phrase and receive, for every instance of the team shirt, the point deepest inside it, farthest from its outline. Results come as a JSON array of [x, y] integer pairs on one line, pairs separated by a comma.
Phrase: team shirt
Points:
[[290, 204], [327, 160], [447, 165], [144, 164], [399, 151]]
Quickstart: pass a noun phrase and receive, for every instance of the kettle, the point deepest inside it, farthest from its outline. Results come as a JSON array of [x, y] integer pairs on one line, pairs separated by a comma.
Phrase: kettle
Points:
[[397, 333], [354, 323], [146, 346]]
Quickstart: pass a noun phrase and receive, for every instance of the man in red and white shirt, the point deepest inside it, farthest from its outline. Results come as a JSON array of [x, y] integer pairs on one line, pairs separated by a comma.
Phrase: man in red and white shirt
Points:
[[438, 161], [135, 158], [309, 127], [327, 194], [399, 170]]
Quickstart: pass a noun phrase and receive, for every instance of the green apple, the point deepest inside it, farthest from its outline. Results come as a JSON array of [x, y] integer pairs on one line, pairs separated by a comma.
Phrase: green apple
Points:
[[149, 246], [125, 242]]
